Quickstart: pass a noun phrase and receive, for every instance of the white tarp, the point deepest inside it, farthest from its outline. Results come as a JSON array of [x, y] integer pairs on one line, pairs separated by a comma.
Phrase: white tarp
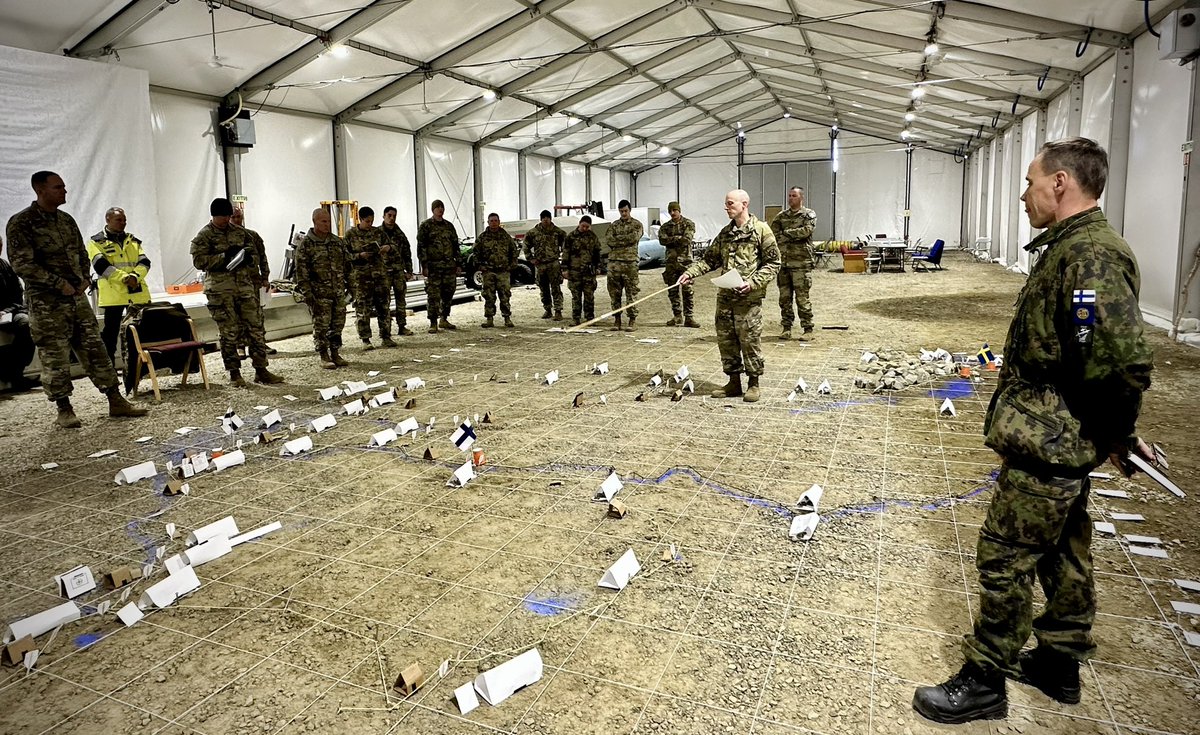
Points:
[[936, 198], [448, 176], [1056, 117], [656, 188], [870, 187], [1096, 122], [380, 173], [703, 184], [622, 187], [1004, 198], [90, 123], [1029, 150], [601, 185], [539, 185], [500, 185], [574, 183]]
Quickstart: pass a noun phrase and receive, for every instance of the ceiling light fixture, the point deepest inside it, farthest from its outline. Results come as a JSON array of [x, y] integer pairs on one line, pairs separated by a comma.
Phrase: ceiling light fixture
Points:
[[918, 93], [931, 49], [904, 134], [626, 137], [339, 51], [664, 150], [787, 115], [910, 116], [489, 94]]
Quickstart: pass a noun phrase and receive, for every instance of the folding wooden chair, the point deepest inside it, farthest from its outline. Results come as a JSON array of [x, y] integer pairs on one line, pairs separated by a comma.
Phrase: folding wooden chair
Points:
[[170, 337]]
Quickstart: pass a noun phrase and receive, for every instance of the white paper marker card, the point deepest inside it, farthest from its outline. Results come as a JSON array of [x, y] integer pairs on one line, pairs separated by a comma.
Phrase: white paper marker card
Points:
[[466, 699], [130, 475], [43, 622], [498, 684], [271, 419], [411, 384], [462, 475], [322, 423], [810, 499], [947, 408], [803, 526], [354, 408], [229, 459], [608, 489], [225, 527], [407, 426], [619, 574], [328, 394], [296, 446], [380, 438]]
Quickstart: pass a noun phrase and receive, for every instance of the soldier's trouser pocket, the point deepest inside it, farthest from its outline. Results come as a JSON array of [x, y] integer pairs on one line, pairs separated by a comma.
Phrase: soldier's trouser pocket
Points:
[[1033, 426]]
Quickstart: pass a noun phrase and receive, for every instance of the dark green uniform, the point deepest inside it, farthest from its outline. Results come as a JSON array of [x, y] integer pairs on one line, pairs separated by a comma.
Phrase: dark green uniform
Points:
[[622, 238], [676, 238], [581, 260], [440, 259], [1075, 365], [793, 231], [751, 249], [543, 247], [322, 278], [368, 282], [232, 291], [496, 256], [397, 269]]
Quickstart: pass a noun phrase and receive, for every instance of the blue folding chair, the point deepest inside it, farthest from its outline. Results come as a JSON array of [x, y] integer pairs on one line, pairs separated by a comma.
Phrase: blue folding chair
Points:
[[931, 260]]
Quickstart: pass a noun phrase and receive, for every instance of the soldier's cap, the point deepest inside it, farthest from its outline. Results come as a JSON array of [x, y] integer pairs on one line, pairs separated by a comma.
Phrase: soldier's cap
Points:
[[545, 213], [220, 207], [673, 207], [437, 204]]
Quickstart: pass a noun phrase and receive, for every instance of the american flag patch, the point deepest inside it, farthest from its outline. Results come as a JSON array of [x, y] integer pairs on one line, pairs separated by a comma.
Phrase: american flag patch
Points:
[[1084, 296]]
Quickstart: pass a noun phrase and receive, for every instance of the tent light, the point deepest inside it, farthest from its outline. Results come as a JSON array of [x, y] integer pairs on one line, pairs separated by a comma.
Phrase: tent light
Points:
[[931, 49], [918, 93], [339, 51], [786, 115], [489, 94], [910, 116], [904, 134], [664, 150]]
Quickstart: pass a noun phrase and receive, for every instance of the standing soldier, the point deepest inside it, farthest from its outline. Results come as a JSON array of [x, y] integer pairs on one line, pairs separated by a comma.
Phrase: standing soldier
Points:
[[47, 252], [397, 267], [676, 235], [441, 260], [121, 269], [793, 228], [227, 255], [1076, 364], [543, 247], [746, 245], [322, 278], [581, 259], [368, 279], [264, 267], [622, 239], [496, 255]]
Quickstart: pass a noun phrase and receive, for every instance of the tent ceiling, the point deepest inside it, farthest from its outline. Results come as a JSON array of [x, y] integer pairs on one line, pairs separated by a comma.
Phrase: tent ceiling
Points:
[[605, 80]]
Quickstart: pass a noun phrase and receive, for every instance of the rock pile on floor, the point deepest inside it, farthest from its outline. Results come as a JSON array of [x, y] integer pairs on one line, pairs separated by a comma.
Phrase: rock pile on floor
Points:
[[896, 370]]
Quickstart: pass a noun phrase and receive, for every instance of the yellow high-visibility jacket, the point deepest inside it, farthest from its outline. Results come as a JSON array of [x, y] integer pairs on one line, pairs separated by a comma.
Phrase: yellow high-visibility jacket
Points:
[[113, 262]]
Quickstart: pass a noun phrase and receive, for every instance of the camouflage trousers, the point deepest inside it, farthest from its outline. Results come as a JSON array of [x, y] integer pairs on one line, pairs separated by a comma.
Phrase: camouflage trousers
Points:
[[371, 297], [329, 319], [239, 318], [58, 325], [684, 293], [739, 337], [794, 284], [439, 293], [1036, 527], [583, 296], [623, 279], [396, 285], [496, 284], [549, 281]]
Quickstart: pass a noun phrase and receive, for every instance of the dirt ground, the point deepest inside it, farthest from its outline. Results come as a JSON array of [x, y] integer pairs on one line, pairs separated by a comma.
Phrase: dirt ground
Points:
[[379, 564]]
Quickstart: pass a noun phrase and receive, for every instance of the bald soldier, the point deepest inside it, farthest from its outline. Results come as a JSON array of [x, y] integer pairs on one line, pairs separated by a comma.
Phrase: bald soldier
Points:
[[322, 279], [748, 246]]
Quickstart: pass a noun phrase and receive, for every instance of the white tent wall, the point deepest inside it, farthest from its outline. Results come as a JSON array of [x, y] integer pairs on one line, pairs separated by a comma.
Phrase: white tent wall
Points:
[[870, 186], [449, 169], [574, 183], [190, 173], [987, 215], [656, 188], [89, 123], [1096, 121], [1154, 194], [1005, 242], [539, 185], [1056, 117], [788, 139], [380, 173], [937, 194], [500, 186], [1029, 148], [287, 174], [601, 184], [704, 180], [622, 187]]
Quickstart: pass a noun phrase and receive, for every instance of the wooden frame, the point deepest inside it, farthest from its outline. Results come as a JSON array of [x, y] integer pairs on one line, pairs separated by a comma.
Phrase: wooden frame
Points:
[[144, 350]]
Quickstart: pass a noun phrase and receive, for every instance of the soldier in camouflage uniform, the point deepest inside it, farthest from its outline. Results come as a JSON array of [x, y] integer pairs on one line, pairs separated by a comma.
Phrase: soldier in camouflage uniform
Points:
[[793, 228], [747, 245], [581, 263], [676, 235], [622, 239], [543, 248], [397, 267], [322, 279], [238, 218], [496, 255], [368, 279], [226, 254], [46, 250], [441, 261], [1075, 365]]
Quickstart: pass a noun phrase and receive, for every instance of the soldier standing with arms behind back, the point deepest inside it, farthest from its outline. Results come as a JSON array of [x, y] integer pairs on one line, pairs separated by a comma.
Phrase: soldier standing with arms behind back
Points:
[[1075, 365], [496, 255], [746, 245], [397, 267], [368, 279], [441, 261], [121, 267], [229, 259], [622, 238], [46, 250], [793, 228], [581, 263], [676, 235], [543, 247], [322, 278], [264, 266]]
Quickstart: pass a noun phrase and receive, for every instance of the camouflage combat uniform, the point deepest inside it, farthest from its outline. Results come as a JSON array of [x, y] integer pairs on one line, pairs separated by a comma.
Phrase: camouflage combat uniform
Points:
[[793, 231], [397, 269], [1075, 365], [543, 247], [440, 258], [322, 277], [750, 249], [622, 239], [233, 298], [496, 255], [581, 259], [45, 249], [368, 282], [264, 271], [676, 238]]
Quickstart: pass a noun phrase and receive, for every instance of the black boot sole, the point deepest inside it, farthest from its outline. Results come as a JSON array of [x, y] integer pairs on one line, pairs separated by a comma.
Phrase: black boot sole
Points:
[[995, 712]]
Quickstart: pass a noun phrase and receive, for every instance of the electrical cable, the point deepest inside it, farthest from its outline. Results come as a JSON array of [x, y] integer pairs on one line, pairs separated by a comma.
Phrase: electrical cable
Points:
[[1146, 16], [1082, 46]]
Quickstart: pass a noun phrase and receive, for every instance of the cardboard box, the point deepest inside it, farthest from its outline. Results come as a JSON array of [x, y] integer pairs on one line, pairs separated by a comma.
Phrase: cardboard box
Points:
[[118, 577], [617, 509], [14, 653], [175, 486], [431, 453], [410, 403], [854, 262], [410, 679]]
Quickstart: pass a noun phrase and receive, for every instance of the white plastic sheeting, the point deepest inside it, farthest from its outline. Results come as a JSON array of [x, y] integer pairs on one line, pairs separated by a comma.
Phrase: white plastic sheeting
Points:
[[539, 185], [188, 165], [1154, 195], [380, 173], [574, 183], [870, 187], [703, 185], [1056, 117], [936, 198], [448, 176], [787, 140], [286, 175], [622, 187], [1004, 199], [1098, 105], [500, 186], [601, 185], [1029, 148], [89, 123], [656, 188]]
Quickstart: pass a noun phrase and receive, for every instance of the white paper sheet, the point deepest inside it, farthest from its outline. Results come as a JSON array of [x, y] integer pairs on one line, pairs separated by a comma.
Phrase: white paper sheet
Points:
[[165, 592], [229, 459], [801, 386], [143, 439], [407, 426], [619, 574], [256, 533], [1153, 473], [1187, 584], [50, 466], [102, 453], [1186, 608], [609, 488], [1113, 494], [1100, 475], [1103, 527], [354, 408], [322, 423], [465, 698], [551, 377], [803, 526], [328, 394], [381, 438], [73, 583], [810, 499], [1151, 551], [290, 398], [296, 446], [500, 683], [271, 419], [185, 430], [729, 279], [130, 475], [385, 398], [353, 387], [600, 368], [214, 548], [1127, 517], [412, 384], [1133, 538], [462, 475], [948, 408], [43, 622], [174, 563], [130, 614], [824, 388], [225, 527]]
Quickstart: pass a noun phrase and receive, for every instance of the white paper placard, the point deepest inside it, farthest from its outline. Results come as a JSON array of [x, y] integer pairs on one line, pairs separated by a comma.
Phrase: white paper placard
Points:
[[824, 388], [75, 582], [803, 526], [619, 574], [50, 466], [1193, 639], [385, 398], [801, 386], [551, 377], [130, 614], [500, 683], [290, 398], [354, 408], [225, 527], [296, 446], [174, 563], [465, 698], [143, 439], [322, 423], [608, 489], [1113, 494], [600, 368], [380, 438], [462, 475], [407, 426], [1186, 584], [1186, 608], [214, 548], [1151, 551], [411, 384], [170, 589], [810, 499], [328, 394], [1127, 516], [256, 533], [729, 279], [185, 430], [271, 419], [1133, 538], [1104, 527], [43, 622], [354, 386], [102, 453], [1100, 475], [229, 459], [130, 475], [948, 408]]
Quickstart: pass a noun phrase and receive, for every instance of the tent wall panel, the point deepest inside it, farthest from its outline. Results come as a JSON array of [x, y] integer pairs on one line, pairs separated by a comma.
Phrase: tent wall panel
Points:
[[381, 173], [1056, 117], [574, 183], [449, 172], [622, 187], [870, 187], [704, 180], [1005, 239], [656, 188], [539, 182], [1098, 105], [1029, 150], [936, 198], [601, 184], [500, 191]]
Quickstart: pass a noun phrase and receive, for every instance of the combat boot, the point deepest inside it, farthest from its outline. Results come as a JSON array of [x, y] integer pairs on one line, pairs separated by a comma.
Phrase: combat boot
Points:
[[389, 342], [616, 327], [806, 336], [672, 322], [546, 314], [405, 332], [751, 389], [336, 359], [575, 321], [691, 323], [66, 418], [558, 315], [732, 389], [119, 407], [367, 346], [971, 694], [1056, 674], [326, 362], [445, 324], [488, 323], [266, 377], [786, 333], [508, 322], [629, 327], [433, 327], [236, 379]]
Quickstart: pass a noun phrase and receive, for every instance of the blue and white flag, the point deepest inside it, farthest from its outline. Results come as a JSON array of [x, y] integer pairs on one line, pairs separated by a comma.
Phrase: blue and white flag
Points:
[[1084, 296], [464, 436]]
